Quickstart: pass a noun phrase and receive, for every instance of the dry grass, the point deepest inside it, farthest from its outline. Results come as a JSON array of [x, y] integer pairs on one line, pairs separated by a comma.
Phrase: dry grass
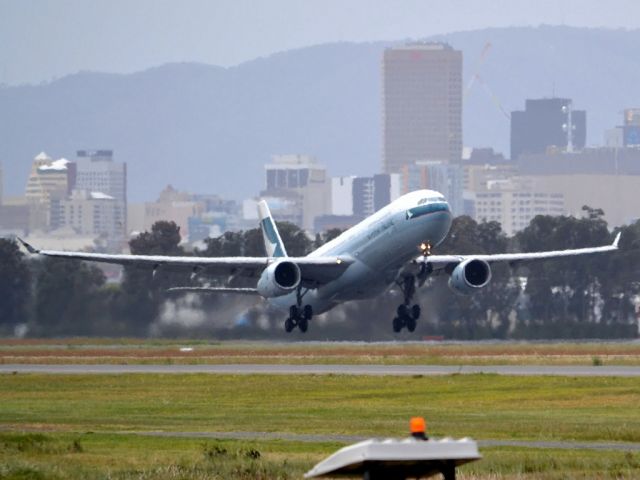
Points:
[[133, 351]]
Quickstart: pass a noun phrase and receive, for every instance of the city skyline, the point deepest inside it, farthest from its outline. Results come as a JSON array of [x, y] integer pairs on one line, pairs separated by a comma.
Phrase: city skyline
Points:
[[208, 118]]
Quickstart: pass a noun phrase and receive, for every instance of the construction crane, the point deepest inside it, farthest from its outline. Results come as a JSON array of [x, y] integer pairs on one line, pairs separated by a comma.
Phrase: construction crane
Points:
[[477, 78]]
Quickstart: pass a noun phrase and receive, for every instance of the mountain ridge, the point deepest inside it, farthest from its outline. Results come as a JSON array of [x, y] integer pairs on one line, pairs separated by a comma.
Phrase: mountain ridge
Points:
[[206, 128]]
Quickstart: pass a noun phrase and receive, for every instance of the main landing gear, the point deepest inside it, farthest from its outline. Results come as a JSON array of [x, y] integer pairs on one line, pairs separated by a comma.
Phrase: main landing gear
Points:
[[299, 315], [407, 315]]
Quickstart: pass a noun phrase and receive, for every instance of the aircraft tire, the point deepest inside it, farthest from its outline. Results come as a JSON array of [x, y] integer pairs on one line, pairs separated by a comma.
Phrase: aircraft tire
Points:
[[415, 312], [288, 325], [403, 311], [303, 325], [397, 324], [411, 324], [307, 312]]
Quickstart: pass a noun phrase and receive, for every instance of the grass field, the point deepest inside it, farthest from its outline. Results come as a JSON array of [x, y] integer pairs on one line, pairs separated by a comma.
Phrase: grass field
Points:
[[432, 353], [124, 457], [65, 408]]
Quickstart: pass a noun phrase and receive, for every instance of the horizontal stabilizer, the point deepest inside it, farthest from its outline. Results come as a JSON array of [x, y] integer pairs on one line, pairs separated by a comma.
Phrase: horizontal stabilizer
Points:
[[241, 291]]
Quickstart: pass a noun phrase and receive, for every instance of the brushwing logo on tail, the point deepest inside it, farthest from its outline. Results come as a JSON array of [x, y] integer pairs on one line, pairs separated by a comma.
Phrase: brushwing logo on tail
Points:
[[272, 241]]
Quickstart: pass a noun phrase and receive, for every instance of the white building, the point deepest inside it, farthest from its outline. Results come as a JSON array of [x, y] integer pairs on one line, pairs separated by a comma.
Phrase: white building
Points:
[[302, 184], [446, 178], [342, 195], [48, 180], [90, 214], [514, 203], [96, 171]]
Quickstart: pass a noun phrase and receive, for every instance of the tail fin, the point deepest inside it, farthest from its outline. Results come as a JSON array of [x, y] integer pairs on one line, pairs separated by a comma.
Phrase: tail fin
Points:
[[272, 241]]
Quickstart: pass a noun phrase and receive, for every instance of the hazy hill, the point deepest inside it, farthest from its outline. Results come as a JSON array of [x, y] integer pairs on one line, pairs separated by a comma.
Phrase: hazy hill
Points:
[[210, 129]]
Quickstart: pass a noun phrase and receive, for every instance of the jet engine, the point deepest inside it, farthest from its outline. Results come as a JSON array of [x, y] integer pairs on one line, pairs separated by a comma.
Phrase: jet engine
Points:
[[279, 279], [469, 276]]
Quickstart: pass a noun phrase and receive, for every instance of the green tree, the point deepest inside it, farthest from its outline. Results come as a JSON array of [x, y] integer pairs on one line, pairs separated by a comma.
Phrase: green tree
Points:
[[229, 244], [251, 244], [325, 237], [138, 302], [621, 284], [15, 286], [295, 240], [564, 294], [69, 298], [486, 313]]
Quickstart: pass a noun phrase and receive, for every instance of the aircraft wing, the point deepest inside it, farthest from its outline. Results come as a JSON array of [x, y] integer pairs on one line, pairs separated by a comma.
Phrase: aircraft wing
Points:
[[442, 261], [314, 270]]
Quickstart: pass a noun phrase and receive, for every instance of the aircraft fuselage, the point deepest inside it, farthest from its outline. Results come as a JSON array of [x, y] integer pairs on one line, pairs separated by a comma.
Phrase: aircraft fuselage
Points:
[[380, 246]]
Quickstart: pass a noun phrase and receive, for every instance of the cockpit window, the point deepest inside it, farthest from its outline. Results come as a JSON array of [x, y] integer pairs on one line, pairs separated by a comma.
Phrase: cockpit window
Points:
[[422, 201]]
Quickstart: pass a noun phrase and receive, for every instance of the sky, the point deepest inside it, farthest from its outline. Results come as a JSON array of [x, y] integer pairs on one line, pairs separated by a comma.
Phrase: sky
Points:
[[42, 40]]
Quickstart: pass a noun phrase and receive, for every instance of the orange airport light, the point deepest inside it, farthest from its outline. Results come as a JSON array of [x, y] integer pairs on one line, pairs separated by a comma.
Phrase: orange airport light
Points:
[[418, 427]]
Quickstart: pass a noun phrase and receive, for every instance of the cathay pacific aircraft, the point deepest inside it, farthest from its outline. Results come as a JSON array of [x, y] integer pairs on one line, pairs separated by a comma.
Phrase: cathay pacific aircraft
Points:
[[392, 248]]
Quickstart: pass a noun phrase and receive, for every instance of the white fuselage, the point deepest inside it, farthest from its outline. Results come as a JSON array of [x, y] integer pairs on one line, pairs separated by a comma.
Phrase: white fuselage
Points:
[[380, 246]]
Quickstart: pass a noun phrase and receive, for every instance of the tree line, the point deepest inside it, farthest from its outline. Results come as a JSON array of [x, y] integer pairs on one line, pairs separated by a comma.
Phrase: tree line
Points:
[[563, 298]]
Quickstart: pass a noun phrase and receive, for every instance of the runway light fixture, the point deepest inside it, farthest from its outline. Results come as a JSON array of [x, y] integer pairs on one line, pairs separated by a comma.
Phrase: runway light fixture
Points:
[[418, 428]]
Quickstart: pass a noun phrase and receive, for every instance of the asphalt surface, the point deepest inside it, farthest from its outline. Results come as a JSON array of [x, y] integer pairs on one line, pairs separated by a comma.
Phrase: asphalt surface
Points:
[[550, 444], [280, 369]]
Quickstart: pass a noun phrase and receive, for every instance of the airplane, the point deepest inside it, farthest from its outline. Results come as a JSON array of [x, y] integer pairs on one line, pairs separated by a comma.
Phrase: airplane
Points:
[[392, 247]]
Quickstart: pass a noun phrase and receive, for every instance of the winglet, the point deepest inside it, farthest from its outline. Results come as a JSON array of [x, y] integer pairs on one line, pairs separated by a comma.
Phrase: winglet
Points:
[[29, 248], [617, 240]]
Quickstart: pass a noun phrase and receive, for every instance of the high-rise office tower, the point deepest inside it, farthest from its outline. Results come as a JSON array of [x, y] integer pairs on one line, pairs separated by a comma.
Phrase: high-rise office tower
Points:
[[547, 122], [370, 194], [48, 180], [98, 173], [422, 104], [631, 127]]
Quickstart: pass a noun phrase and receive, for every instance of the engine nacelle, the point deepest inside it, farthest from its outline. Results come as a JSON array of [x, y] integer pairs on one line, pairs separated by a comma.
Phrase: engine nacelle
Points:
[[279, 279], [469, 276]]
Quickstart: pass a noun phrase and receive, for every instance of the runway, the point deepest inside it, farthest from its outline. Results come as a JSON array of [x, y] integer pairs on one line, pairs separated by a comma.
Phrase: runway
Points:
[[548, 444], [296, 369]]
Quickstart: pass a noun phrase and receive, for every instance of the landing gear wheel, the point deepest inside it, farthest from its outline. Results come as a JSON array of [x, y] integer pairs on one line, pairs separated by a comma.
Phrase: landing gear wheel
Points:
[[397, 324], [408, 315], [298, 317], [307, 312], [303, 324], [288, 325], [411, 324]]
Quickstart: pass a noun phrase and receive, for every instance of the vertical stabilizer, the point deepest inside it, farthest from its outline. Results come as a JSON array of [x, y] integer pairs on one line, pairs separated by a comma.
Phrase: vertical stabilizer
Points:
[[272, 241]]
